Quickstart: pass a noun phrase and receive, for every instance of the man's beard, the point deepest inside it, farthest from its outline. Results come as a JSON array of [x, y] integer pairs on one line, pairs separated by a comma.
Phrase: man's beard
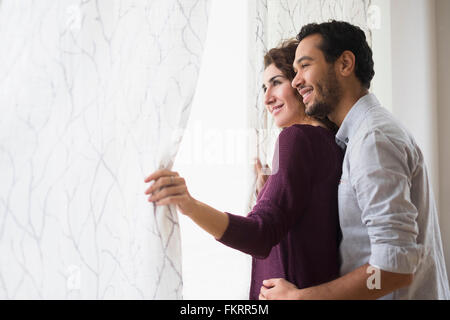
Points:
[[328, 95]]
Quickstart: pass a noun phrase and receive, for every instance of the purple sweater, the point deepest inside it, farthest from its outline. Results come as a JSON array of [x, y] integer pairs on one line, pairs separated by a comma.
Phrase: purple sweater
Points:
[[293, 230]]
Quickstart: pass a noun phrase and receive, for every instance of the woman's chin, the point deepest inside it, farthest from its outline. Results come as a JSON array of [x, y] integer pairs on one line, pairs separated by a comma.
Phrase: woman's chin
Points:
[[279, 124], [282, 125]]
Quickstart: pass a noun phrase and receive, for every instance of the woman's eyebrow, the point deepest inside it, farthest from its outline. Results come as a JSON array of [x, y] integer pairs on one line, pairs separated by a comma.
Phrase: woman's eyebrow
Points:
[[272, 79]]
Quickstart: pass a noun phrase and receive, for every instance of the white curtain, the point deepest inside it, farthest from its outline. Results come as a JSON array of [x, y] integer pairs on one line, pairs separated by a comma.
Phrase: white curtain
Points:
[[270, 22], [94, 96]]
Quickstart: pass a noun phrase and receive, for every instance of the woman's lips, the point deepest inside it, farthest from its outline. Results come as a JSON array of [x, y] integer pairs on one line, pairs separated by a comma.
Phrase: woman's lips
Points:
[[277, 110]]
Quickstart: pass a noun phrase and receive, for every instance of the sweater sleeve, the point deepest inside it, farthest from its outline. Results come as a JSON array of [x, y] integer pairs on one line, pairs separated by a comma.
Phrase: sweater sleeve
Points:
[[282, 201]]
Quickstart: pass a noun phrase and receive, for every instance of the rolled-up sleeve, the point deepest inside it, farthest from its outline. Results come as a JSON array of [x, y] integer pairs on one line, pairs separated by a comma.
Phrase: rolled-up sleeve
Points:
[[381, 180]]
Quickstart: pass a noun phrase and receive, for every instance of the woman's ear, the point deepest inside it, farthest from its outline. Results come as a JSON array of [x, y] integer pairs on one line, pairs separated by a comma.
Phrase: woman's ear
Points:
[[346, 65]]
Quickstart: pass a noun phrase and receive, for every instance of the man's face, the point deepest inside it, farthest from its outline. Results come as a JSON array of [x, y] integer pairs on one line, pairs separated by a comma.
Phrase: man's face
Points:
[[316, 79]]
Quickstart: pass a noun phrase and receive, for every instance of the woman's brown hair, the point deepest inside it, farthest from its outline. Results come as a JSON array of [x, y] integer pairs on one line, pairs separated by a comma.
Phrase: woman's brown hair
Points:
[[283, 57]]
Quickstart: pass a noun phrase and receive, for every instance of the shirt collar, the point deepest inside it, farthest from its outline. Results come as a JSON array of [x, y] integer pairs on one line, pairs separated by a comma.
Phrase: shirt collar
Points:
[[354, 118]]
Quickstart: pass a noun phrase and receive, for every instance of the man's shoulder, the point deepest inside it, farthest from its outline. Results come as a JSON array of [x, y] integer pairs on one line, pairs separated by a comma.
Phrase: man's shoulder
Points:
[[379, 122], [380, 138]]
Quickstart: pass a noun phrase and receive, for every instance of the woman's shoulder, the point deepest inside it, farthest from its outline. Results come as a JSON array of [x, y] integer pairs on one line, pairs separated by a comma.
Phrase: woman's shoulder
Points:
[[313, 139], [306, 131], [313, 146], [299, 138]]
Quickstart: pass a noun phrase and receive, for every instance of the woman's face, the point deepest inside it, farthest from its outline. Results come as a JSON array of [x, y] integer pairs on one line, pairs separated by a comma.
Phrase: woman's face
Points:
[[280, 98]]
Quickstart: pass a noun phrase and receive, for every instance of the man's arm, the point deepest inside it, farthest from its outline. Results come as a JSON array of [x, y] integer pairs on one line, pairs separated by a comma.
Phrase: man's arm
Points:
[[352, 286]]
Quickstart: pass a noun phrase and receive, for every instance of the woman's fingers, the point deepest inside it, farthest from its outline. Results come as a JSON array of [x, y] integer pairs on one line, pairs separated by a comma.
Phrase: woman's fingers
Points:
[[261, 170], [167, 192], [170, 200], [160, 173], [164, 182], [258, 166], [169, 188]]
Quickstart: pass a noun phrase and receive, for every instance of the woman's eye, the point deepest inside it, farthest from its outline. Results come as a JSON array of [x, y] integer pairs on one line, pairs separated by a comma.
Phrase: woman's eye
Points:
[[276, 82], [304, 65]]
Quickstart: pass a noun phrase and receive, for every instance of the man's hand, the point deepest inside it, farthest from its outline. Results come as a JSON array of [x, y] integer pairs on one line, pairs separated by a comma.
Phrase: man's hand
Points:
[[352, 286], [278, 289]]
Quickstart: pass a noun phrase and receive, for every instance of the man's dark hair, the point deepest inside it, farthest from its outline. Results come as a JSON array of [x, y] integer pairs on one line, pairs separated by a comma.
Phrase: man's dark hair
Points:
[[339, 36]]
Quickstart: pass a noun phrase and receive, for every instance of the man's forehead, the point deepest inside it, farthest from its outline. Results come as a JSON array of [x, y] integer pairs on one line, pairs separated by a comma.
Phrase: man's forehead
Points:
[[309, 44]]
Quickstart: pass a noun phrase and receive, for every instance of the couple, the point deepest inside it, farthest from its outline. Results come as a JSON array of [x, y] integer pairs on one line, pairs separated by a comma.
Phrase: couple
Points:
[[339, 209]]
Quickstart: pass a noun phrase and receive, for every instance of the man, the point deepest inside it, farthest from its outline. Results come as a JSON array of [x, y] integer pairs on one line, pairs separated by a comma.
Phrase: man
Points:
[[391, 245]]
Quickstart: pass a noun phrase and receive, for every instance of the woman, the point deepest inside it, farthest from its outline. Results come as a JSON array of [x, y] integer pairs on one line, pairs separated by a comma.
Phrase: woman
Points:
[[293, 231]]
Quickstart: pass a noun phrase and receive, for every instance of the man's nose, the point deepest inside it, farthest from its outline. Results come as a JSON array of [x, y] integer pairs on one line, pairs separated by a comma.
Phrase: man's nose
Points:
[[297, 81]]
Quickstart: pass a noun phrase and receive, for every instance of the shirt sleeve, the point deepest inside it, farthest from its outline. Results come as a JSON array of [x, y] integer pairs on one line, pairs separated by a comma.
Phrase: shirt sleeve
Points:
[[282, 200], [381, 180]]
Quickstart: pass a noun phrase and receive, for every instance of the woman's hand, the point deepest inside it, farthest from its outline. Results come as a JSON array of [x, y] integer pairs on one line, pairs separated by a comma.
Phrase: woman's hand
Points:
[[169, 188], [261, 174]]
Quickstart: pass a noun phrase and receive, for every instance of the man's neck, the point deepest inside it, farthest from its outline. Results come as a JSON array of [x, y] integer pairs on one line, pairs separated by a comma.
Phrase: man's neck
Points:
[[345, 104]]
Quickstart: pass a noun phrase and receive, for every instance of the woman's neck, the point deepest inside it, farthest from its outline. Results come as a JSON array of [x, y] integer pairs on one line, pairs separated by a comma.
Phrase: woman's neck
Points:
[[312, 122]]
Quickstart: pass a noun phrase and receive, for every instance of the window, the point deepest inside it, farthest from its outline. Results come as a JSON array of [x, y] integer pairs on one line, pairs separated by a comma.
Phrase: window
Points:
[[213, 157]]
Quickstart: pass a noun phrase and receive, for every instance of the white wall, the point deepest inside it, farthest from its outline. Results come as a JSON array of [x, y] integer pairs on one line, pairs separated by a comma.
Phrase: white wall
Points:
[[381, 46], [414, 75], [443, 99]]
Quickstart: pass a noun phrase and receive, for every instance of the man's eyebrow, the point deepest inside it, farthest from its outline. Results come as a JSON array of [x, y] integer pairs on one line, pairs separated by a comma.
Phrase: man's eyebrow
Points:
[[303, 58]]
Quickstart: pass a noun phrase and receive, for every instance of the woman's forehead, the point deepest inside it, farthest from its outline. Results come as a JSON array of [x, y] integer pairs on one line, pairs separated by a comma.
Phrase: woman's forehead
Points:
[[271, 72]]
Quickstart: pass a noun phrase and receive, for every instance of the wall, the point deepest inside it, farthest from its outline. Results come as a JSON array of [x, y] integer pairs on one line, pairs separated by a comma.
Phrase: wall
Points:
[[443, 100], [380, 17], [414, 98]]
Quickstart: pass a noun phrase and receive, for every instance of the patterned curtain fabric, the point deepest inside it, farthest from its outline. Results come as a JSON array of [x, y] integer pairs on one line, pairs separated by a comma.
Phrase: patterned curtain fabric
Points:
[[271, 22], [94, 96]]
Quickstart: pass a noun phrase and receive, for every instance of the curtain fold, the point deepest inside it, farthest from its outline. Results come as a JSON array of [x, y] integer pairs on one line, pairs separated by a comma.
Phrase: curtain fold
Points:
[[94, 96], [270, 22]]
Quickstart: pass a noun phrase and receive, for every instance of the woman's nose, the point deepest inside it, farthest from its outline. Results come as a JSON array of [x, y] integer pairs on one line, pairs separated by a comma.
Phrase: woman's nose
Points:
[[268, 97]]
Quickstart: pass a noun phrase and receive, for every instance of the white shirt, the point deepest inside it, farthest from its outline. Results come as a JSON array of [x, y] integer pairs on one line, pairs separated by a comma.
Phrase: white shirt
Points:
[[387, 210]]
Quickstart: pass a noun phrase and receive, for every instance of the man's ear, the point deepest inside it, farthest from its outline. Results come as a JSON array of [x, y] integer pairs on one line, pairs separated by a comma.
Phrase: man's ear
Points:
[[346, 63]]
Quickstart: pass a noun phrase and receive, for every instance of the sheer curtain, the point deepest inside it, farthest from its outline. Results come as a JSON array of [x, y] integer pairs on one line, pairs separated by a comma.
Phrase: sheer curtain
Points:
[[94, 96], [270, 22]]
